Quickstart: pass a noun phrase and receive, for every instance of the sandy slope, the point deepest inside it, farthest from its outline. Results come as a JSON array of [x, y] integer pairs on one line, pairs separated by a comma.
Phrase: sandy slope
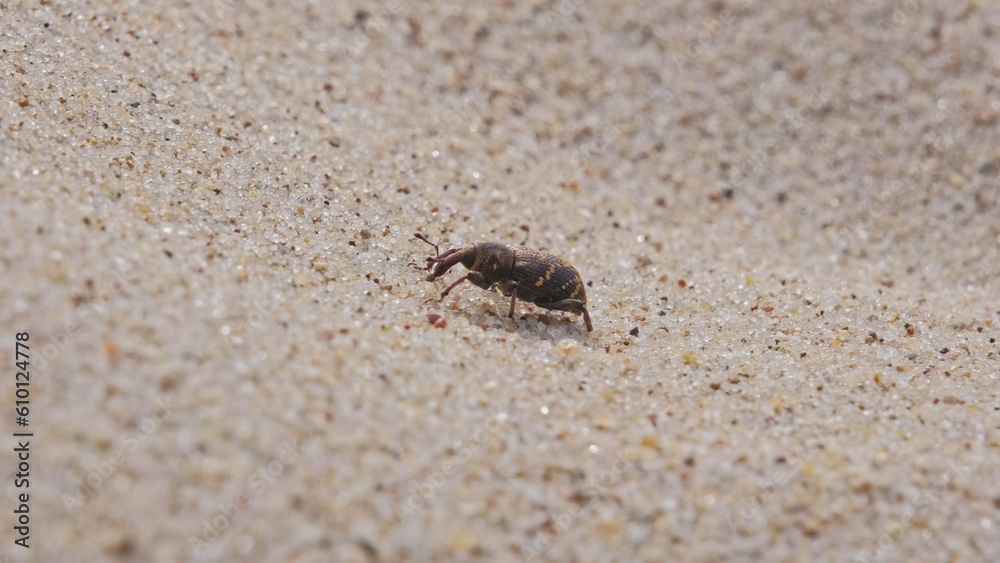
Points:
[[788, 218]]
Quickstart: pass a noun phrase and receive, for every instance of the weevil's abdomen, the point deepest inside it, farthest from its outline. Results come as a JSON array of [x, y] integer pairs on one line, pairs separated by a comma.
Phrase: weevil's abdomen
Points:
[[544, 278]]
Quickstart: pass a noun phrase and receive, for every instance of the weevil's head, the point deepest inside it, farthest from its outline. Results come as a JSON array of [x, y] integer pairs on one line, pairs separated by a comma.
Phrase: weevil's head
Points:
[[491, 259], [439, 265]]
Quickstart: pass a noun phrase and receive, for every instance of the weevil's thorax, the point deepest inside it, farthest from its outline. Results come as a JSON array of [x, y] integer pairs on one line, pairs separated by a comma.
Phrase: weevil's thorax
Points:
[[491, 259]]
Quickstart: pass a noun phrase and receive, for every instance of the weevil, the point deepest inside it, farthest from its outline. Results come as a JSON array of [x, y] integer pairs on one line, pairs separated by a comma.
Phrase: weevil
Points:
[[519, 273]]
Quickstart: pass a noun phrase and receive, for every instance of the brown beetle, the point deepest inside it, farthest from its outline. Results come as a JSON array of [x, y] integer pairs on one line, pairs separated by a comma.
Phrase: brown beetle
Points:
[[520, 273]]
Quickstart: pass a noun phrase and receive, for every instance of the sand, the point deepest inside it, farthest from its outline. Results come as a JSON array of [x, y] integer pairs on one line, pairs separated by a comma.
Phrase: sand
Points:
[[787, 216]]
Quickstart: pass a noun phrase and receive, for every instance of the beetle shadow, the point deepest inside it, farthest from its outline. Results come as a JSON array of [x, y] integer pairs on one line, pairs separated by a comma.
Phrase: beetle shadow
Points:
[[565, 325]]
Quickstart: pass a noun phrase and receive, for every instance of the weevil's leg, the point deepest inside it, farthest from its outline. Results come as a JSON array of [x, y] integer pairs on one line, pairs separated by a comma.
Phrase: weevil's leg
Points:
[[452, 286], [570, 306], [474, 277], [513, 298]]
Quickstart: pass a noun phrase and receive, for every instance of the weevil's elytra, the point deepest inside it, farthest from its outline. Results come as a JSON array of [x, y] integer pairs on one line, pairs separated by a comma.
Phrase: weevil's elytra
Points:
[[519, 273]]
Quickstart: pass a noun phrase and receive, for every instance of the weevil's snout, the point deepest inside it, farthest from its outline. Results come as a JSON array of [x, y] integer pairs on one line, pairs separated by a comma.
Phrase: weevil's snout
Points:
[[434, 266], [431, 266], [438, 268], [440, 265]]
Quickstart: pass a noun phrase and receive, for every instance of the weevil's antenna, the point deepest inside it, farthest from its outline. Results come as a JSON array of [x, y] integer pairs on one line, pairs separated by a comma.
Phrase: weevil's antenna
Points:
[[425, 239]]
